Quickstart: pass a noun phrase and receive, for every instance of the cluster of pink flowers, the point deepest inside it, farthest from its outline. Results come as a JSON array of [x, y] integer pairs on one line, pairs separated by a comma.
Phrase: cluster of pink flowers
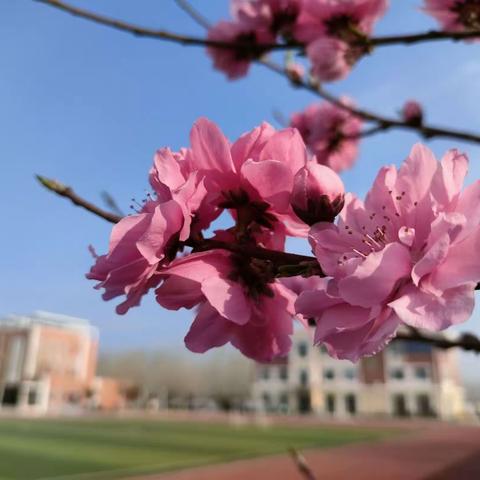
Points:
[[334, 33], [330, 132], [406, 255], [238, 298], [455, 15]]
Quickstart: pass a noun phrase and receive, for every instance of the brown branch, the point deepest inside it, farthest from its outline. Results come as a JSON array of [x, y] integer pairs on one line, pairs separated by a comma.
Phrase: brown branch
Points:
[[431, 36], [301, 464], [67, 192], [385, 123], [465, 341], [200, 19], [141, 31], [279, 258], [193, 13]]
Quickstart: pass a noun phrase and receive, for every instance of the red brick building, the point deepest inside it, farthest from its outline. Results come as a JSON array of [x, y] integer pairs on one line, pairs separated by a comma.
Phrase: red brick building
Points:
[[48, 364]]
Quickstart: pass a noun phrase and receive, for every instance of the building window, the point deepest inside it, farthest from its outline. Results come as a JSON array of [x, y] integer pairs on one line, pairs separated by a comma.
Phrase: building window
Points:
[[10, 395], [302, 349], [328, 374], [32, 397], [283, 372], [421, 373], [424, 407], [283, 402], [330, 403], [267, 401], [350, 374], [397, 373], [303, 378], [351, 404], [265, 373], [399, 405]]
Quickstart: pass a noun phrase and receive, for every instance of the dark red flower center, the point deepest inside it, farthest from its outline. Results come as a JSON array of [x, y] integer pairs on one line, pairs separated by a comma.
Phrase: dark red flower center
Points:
[[248, 47], [283, 21], [254, 275], [468, 13]]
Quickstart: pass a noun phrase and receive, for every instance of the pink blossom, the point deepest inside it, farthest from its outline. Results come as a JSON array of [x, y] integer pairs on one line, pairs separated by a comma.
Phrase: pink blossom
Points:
[[139, 244], [455, 15], [318, 194], [406, 255], [331, 133], [331, 59], [142, 244], [412, 112], [348, 20], [305, 120], [276, 16], [239, 303], [235, 62], [253, 177]]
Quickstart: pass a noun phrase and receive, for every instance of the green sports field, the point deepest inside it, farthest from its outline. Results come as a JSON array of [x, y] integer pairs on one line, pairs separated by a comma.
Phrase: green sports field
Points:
[[110, 448]]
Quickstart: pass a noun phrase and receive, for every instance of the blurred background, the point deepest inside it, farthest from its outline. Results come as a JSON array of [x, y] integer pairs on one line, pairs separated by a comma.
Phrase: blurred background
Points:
[[89, 106]]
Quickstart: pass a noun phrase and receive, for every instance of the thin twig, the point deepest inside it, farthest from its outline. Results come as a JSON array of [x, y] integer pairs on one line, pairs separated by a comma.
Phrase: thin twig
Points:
[[385, 123], [67, 192], [155, 33], [112, 204], [431, 36], [193, 13], [465, 341], [276, 256], [301, 464], [201, 20]]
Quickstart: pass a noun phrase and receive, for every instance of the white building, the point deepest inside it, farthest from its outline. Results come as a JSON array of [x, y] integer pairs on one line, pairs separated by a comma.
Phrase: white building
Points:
[[406, 379]]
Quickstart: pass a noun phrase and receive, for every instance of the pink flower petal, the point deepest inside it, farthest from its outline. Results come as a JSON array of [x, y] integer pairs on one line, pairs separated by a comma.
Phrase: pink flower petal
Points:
[[207, 331], [228, 298], [177, 292], [272, 180], [375, 278], [423, 310]]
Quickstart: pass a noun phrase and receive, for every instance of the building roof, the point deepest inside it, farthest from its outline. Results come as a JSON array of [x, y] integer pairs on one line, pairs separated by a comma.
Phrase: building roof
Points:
[[40, 317]]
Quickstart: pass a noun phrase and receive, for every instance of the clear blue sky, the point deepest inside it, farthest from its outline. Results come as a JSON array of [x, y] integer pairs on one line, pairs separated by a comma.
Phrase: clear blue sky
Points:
[[89, 105]]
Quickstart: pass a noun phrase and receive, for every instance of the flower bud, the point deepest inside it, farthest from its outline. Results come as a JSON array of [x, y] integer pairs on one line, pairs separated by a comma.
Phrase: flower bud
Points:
[[318, 194], [412, 113], [295, 72]]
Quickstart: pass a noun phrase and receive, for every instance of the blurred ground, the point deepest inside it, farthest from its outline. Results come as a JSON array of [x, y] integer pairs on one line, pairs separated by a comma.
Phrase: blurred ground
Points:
[[186, 446], [101, 448], [431, 452]]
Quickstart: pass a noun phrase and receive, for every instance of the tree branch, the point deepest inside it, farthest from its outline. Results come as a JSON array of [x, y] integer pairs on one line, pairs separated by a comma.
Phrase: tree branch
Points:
[[277, 257], [384, 123], [193, 13], [408, 39], [465, 341], [141, 31], [431, 36], [67, 192], [301, 463]]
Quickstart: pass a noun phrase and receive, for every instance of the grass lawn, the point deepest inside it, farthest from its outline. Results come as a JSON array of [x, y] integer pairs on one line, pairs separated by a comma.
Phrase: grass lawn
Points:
[[98, 449]]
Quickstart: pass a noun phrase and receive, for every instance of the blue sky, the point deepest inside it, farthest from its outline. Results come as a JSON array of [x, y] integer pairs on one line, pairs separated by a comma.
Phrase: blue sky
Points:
[[88, 105]]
